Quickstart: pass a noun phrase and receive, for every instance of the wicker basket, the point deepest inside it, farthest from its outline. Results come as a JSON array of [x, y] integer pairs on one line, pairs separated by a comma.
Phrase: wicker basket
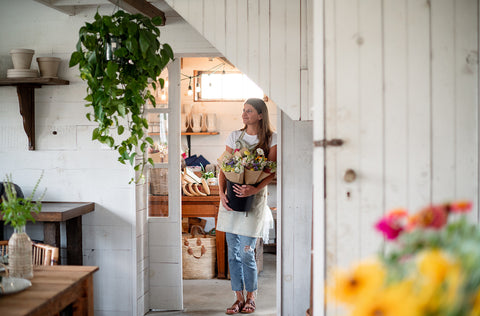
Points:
[[159, 181], [198, 254]]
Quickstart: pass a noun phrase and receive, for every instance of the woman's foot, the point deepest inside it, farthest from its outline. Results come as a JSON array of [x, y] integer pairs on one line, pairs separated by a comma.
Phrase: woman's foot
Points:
[[236, 308], [249, 306]]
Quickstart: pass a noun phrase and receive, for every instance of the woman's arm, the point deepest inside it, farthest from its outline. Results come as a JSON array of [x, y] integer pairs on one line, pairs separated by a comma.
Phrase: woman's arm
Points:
[[222, 185]]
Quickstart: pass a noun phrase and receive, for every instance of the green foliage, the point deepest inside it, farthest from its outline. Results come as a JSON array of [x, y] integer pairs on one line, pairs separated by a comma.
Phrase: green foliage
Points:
[[117, 88], [17, 211]]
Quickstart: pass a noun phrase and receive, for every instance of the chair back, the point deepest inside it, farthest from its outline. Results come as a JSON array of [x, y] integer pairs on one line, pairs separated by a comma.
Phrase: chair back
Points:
[[3, 247], [44, 255]]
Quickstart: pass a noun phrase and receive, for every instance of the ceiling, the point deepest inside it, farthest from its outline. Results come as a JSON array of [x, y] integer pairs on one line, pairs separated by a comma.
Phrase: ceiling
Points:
[[148, 8]]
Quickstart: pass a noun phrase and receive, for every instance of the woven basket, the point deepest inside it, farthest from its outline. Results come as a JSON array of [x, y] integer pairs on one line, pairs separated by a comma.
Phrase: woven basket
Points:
[[159, 181], [198, 255]]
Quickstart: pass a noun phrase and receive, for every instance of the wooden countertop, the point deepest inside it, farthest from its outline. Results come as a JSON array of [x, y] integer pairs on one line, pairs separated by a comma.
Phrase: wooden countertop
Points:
[[53, 288], [62, 211]]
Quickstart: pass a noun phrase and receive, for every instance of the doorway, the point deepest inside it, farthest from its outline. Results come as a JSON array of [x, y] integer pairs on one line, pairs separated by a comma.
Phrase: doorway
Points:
[[205, 295]]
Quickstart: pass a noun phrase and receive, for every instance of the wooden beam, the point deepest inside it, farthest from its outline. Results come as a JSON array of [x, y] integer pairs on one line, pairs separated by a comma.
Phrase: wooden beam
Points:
[[70, 10], [140, 6]]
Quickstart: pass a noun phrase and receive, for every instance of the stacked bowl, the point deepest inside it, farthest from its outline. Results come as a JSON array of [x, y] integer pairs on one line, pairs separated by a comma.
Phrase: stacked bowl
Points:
[[22, 59]]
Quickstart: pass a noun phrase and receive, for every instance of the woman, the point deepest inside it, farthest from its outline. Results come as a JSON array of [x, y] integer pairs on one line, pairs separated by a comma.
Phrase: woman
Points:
[[243, 228]]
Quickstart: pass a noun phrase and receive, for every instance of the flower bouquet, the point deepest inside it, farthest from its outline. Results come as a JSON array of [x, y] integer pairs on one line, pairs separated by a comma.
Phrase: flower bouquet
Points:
[[432, 267], [244, 167]]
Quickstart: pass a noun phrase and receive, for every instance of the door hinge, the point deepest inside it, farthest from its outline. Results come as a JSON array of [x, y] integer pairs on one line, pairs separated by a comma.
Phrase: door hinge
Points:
[[324, 143]]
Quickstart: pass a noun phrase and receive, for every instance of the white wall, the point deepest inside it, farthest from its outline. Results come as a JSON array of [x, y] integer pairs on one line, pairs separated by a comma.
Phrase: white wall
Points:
[[77, 169]]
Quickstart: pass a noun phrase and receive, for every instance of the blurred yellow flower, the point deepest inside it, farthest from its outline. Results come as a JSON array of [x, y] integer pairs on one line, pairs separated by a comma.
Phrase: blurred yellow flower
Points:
[[365, 278], [394, 300], [476, 305], [440, 280]]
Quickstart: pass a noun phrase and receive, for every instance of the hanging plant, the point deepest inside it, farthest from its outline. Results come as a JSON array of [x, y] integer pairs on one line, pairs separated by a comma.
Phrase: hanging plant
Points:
[[119, 56]]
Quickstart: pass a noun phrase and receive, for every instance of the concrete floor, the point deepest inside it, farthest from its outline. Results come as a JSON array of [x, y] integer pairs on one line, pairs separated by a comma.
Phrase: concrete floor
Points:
[[212, 297]]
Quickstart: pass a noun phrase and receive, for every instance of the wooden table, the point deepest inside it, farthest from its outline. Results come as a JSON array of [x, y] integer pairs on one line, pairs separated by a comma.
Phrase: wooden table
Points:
[[54, 213], [196, 206], [53, 289]]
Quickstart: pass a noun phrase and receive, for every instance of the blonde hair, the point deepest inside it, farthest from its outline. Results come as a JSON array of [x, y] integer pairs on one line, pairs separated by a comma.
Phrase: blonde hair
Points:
[[265, 132]]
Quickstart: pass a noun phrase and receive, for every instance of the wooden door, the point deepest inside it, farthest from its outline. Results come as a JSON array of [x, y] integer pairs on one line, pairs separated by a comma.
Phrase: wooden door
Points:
[[401, 82], [164, 230]]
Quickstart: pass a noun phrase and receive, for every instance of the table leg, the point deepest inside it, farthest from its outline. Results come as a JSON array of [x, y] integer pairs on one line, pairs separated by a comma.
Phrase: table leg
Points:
[[74, 241], [221, 255], [51, 235], [83, 306]]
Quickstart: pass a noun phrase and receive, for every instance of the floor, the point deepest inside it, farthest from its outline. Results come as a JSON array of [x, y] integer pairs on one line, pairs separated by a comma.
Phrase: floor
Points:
[[212, 297]]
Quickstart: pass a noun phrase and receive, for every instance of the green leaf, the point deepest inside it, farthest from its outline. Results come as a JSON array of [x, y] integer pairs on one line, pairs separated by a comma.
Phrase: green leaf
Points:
[[144, 44], [95, 134], [169, 51], [157, 20], [75, 58], [149, 140], [112, 69], [120, 130]]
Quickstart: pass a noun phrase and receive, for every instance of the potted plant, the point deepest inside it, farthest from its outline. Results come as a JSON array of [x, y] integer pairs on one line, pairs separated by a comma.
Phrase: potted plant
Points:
[[16, 211], [119, 56]]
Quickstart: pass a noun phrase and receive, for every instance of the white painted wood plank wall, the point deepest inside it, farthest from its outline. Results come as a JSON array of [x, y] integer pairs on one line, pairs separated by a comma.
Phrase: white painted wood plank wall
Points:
[[263, 40], [402, 91]]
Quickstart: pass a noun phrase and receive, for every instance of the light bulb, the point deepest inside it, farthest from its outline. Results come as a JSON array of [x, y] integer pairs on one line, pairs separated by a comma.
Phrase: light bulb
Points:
[[190, 91], [163, 97], [166, 84], [197, 87]]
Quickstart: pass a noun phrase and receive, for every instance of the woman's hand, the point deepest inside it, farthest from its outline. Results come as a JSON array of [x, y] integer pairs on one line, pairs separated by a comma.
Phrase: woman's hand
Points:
[[224, 200], [244, 190]]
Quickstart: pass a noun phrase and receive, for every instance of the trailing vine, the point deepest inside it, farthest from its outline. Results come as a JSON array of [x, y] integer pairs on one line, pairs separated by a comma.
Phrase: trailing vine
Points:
[[118, 57]]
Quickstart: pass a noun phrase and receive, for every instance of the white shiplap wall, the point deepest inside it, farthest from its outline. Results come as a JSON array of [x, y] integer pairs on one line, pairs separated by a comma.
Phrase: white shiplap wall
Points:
[[77, 169], [262, 39], [401, 91]]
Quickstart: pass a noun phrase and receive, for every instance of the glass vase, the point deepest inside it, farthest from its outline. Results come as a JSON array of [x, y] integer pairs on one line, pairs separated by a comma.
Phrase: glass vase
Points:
[[20, 254]]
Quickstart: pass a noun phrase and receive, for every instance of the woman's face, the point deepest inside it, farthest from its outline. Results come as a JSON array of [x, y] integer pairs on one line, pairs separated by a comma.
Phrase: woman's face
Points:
[[250, 116]]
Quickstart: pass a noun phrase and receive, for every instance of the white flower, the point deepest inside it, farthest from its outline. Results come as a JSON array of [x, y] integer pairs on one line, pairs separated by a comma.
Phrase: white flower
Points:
[[260, 152]]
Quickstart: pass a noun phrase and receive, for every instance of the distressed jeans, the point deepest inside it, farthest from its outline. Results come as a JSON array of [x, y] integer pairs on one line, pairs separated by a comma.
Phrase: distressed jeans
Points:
[[241, 260]]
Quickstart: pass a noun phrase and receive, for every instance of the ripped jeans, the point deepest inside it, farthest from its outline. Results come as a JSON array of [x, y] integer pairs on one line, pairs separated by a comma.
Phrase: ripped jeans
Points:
[[241, 260]]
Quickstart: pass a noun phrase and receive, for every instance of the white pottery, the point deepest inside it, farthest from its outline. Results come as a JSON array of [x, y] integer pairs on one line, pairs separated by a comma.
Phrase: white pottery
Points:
[[22, 58], [204, 123], [211, 122], [196, 122], [183, 123], [22, 73], [48, 66]]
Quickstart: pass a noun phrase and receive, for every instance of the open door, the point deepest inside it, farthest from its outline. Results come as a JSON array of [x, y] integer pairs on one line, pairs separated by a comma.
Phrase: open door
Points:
[[164, 204]]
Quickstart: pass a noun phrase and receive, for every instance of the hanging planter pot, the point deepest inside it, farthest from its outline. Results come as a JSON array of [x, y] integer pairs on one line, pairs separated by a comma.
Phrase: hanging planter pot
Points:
[[20, 254], [119, 56]]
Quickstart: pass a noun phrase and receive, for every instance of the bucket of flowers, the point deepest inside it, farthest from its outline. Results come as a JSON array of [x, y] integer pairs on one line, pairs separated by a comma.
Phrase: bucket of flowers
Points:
[[244, 167], [431, 266]]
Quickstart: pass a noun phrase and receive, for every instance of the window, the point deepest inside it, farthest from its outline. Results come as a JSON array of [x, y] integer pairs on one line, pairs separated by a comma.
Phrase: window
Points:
[[225, 86]]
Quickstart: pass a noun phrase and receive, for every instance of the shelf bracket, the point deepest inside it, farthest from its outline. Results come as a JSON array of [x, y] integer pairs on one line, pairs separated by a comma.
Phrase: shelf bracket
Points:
[[26, 100]]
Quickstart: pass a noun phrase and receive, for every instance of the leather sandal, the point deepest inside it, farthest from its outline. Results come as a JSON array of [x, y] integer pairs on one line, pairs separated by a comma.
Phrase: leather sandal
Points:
[[236, 308], [249, 307]]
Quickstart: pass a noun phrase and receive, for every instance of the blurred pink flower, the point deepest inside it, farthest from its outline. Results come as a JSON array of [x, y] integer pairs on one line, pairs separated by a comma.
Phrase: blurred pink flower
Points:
[[461, 206], [393, 223]]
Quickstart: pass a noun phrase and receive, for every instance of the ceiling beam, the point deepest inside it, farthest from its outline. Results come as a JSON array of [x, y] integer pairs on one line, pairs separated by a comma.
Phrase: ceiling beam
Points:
[[140, 6], [70, 10]]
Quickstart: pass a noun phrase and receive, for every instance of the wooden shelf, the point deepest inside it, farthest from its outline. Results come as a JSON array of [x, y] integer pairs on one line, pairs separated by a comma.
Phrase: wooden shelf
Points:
[[26, 100], [200, 133]]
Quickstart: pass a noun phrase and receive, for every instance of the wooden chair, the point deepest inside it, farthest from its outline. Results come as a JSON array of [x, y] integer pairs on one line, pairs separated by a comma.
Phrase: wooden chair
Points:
[[3, 247], [44, 255]]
